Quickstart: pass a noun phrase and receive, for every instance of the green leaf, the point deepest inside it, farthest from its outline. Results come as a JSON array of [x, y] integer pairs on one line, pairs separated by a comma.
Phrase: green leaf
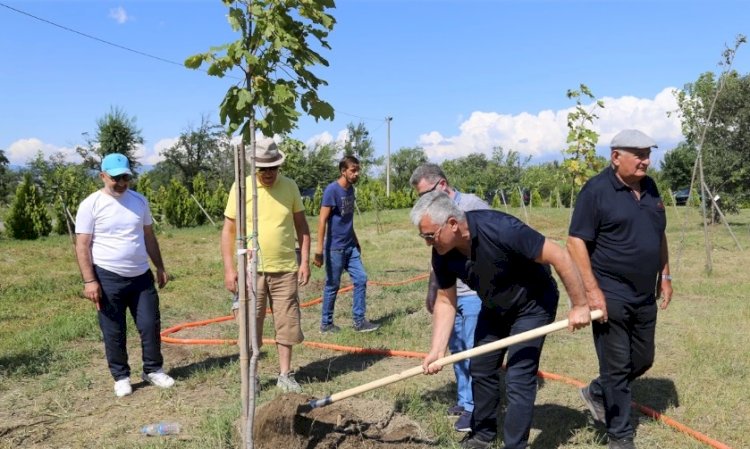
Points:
[[244, 99], [194, 61]]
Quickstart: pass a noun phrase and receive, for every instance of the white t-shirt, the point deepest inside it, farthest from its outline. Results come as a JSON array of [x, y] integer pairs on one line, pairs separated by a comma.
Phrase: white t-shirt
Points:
[[116, 228]]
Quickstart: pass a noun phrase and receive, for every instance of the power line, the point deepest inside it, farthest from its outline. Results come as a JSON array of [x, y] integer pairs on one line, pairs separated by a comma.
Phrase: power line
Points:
[[63, 27], [141, 53], [359, 117]]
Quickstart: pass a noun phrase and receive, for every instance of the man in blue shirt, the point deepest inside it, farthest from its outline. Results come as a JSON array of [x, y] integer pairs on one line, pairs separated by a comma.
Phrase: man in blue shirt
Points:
[[507, 263], [617, 239], [342, 250]]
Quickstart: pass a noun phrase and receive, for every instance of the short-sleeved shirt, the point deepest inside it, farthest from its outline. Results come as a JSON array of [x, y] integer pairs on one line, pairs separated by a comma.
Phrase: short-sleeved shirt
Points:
[[116, 228], [623, 235], [277, 205], [340, 228], [501, 267], [467, 202]]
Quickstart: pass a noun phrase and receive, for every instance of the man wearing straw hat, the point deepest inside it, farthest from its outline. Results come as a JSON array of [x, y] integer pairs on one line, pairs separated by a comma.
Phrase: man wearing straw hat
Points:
[[618, 241], [281, 222], [507, 263]]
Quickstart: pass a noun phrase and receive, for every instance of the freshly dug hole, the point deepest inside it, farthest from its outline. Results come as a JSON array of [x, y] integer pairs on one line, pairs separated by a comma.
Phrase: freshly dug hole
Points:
[[352, 423]]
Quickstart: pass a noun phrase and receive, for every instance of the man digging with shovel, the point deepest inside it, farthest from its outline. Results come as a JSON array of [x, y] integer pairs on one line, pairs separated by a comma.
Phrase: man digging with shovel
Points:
[[507, 263]]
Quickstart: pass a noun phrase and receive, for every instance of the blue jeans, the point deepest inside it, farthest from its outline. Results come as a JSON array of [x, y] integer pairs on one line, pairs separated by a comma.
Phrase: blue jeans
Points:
[[462, 338], [336, 261], [137, 294]]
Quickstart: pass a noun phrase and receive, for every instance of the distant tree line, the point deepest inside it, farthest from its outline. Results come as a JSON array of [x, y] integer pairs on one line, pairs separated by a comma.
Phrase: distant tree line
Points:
[[190, 185]]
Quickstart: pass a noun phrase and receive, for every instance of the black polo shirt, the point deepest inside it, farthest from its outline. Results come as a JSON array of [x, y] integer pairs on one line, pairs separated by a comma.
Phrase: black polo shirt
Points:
[[623, 234], [501, 268]]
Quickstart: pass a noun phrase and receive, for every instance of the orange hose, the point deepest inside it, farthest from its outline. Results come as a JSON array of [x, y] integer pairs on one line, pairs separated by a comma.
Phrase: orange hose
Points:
[[418, 355]]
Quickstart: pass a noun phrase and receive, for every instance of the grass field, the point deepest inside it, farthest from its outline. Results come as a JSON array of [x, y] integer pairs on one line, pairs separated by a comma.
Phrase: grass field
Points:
[[56, 392]]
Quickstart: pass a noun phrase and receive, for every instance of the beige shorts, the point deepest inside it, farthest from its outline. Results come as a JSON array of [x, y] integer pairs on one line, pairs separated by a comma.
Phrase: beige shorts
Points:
[[279, 292]]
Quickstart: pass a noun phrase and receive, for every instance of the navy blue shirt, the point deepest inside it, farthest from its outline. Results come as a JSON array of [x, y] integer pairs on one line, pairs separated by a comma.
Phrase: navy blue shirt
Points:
[[501, 267], [340, 230], [623, 235]]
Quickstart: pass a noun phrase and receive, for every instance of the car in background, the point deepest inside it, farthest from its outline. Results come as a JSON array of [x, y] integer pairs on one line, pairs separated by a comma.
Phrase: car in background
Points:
[[681, 197]]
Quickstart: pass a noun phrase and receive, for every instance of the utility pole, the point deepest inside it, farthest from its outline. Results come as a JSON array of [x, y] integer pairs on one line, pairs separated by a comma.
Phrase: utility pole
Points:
[[388, 161]]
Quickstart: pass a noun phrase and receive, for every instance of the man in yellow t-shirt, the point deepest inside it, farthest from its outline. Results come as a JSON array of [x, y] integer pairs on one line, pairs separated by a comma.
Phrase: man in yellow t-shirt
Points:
[[281, 222]]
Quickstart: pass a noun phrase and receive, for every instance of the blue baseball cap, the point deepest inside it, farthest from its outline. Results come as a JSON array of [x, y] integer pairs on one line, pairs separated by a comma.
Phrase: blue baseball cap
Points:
[[116, 164]]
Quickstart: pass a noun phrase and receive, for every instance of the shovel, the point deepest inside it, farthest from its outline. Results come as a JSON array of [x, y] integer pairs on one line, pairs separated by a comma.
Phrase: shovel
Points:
[[453, 358]]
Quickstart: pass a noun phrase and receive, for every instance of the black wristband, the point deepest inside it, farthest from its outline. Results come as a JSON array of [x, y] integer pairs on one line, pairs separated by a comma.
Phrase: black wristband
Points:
[[88, 282]]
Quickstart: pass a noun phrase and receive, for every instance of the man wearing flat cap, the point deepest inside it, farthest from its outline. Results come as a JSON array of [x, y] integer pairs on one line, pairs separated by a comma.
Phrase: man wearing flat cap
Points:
[[617, 239], [281, 223]]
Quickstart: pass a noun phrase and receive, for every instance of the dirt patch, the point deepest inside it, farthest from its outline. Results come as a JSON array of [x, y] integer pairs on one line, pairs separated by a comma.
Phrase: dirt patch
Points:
[[286, 423]]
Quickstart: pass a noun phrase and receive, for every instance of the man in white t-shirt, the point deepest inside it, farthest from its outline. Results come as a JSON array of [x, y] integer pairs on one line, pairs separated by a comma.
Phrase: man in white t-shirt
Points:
[[114, 240]]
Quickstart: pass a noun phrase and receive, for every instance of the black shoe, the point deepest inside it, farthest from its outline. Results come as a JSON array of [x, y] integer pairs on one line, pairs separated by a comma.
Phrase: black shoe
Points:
[[595, 405], [622, 443], [463, 424], [472, 442], [329, 329], [366, 326], [456, 410]]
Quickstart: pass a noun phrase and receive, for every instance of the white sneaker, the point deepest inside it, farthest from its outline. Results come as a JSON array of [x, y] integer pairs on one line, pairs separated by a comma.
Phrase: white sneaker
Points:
[[159, 379], [123, 388]]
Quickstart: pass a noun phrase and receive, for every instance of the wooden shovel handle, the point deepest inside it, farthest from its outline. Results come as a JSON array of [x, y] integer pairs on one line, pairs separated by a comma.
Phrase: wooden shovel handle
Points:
[[453, 358]]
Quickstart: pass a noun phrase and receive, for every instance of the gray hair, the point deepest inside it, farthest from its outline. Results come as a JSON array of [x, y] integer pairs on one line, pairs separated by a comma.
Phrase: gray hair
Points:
[[438, 206], [429, 172]]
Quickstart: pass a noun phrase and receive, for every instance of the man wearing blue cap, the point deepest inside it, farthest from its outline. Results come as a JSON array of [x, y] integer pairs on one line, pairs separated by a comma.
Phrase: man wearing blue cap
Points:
[[114, 241], [617, 239]]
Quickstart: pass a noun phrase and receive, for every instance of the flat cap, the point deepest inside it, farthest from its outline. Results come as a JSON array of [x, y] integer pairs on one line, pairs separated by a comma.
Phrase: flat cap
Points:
[[632, 138]]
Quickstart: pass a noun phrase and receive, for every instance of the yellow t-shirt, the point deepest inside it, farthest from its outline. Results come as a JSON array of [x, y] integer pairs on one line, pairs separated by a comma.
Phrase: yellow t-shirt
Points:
[[276, 232]]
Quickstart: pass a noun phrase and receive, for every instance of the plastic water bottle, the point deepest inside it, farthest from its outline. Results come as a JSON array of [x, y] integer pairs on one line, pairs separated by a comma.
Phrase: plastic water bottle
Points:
[[161, 428]]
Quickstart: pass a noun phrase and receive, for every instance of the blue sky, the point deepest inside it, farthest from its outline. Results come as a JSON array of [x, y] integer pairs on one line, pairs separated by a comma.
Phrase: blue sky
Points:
[[456, 76]]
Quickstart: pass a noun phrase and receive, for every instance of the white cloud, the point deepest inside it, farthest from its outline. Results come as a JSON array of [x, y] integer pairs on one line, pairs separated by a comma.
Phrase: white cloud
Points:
[[152, 156], [326, 138], [22, 151], [543, 135], [120, 15], [323, 138]]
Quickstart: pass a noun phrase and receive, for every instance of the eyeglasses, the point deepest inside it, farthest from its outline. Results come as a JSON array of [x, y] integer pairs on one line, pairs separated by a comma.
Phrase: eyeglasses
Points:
[[265, 169], [430, 237], [118, 178], [430, 190]]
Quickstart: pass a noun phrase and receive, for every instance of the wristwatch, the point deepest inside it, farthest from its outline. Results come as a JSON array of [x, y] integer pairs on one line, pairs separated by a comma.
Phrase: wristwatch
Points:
[[667, 277]]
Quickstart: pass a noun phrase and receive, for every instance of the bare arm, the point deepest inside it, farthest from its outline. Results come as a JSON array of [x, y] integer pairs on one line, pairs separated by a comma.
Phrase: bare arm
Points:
[[580, 255], [91, 288], [303, 237], [325, 212], [555, 255], [442, 325], [664, 287], [228, 234], [152, 248]]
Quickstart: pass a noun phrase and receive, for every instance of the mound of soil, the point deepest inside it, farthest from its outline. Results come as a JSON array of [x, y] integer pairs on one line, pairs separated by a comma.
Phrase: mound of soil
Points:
[[287, 423]]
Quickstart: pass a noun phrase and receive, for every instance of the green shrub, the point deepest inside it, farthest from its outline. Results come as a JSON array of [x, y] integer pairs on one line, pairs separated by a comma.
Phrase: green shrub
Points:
[[536, 199], [180, 209], [515, 198], [28, 218]]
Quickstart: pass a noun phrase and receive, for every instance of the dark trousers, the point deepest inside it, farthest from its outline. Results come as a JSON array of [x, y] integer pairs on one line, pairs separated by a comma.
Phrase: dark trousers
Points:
[[137, 294], [520, 378], [625, 347]]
